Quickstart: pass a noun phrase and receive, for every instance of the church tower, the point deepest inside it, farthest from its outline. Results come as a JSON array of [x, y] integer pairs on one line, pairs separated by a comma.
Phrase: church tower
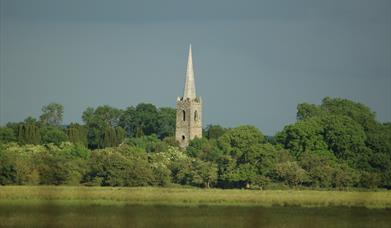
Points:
[[188, 109]]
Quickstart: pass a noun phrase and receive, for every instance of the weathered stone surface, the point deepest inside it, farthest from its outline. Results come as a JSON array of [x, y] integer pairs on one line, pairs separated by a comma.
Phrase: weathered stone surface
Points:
[[188, 110]]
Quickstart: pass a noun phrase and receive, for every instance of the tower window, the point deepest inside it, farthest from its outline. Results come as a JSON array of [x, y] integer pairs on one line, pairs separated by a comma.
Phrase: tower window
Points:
[[195, 116], [183, 115], [183, 137]]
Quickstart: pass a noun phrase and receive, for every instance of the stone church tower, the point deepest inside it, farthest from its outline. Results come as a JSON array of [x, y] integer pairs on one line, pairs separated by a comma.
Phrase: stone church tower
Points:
[[188, 109]]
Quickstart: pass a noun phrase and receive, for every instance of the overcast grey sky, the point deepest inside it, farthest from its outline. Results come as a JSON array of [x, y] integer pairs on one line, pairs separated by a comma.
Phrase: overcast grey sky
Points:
[[254, 60]]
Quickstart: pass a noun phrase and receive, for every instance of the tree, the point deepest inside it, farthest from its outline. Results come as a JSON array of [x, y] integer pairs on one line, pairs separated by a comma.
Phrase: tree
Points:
[[30, 120], [142, 120], [127, 120], [7, 168], [344, 177], [120, 166], [369, 179], [304, 135], [17, 164], [109, 115], [290, 173], [99, 122], [305, 111], [151, 144], [237, 140], [214, 131], [106, 167], [320, 167], [246, 160], [381, 164], [344, 136], [166, 122], [171, 141], [182, 171], [200, 148], [7, 134], [161, 171], [356, 111], [262, 156], [173, 161], [254, 167], [337, 144], [379, 138], [203, 173], [29, 134], [52, 134], [113, 136], [52, 114], [140, 172], [379, 141], [244, 175], [95, 127], [77, 134], [63, 164]]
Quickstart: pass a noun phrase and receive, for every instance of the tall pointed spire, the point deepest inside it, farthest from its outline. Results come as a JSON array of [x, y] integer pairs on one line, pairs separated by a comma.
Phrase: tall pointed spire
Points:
[[189, 91]]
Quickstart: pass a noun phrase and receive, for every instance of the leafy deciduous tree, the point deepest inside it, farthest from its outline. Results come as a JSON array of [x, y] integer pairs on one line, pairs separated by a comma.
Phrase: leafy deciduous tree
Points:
[[52, 114]]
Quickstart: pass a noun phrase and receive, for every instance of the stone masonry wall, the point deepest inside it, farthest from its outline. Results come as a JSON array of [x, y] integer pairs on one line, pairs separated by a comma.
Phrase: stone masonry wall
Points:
[[191, 127]]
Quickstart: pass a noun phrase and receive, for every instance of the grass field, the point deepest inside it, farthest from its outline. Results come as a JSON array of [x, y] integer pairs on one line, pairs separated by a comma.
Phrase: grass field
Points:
[[31, 195]]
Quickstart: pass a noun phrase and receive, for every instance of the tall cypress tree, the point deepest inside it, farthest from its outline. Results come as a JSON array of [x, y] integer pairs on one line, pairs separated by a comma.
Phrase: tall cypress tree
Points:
[[77, 134], [29, 134], [113, 136]]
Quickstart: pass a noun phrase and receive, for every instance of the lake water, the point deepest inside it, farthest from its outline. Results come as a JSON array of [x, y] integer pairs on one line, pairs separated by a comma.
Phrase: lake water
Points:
[[203, 216]]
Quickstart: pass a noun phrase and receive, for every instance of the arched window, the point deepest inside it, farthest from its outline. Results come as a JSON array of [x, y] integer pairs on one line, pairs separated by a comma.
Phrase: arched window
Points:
[[183, 115], [183, 137], [195, 115]]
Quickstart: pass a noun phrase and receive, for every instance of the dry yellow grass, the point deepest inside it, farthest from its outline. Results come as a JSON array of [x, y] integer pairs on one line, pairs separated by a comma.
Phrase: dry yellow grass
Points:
[[191, 196]]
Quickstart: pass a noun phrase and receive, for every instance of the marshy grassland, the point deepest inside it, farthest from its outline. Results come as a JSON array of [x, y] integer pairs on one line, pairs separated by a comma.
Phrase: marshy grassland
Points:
[[121, 196]]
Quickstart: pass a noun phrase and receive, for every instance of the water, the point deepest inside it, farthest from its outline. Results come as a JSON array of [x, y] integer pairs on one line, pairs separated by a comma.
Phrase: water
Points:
[[203, 216]]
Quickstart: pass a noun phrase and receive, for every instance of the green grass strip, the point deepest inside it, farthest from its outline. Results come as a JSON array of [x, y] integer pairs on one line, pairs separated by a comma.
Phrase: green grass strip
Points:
[[72, 195]]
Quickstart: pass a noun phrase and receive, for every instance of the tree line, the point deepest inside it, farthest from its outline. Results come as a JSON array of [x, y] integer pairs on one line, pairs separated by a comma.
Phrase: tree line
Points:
[[337, 144], [103, 126]]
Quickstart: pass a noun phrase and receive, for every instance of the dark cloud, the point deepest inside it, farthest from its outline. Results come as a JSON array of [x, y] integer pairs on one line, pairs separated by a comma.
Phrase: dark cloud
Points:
[[254, 60]]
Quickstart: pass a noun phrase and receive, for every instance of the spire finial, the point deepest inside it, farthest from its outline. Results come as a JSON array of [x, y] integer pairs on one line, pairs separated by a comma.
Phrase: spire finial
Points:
[[189, 91]]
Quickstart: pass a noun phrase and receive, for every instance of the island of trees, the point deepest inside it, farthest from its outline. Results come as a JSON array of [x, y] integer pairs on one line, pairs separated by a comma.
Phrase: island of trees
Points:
[[337, 144]]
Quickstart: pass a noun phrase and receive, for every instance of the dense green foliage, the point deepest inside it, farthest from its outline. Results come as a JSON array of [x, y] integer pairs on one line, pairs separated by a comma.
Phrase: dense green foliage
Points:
[[103, 127], [52, 114], [337, 144]]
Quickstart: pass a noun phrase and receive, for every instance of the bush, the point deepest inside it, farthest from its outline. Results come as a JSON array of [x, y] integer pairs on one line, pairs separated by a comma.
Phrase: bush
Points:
[[121, 166], [345, 177], [369, 180], [291, 173]]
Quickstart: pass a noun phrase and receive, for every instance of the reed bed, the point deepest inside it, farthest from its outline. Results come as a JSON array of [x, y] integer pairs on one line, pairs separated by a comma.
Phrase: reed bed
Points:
[[190, 197]]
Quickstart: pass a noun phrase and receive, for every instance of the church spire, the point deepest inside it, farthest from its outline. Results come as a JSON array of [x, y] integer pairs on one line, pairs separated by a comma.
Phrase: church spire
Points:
[[189, 91]]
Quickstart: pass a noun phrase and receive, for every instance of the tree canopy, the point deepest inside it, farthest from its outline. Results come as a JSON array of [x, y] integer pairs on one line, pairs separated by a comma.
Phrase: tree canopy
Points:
[[336, 144], [52, 114]]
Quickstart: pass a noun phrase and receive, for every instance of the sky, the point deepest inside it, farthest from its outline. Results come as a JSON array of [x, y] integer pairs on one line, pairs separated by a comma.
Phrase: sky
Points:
[[254, 61]]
